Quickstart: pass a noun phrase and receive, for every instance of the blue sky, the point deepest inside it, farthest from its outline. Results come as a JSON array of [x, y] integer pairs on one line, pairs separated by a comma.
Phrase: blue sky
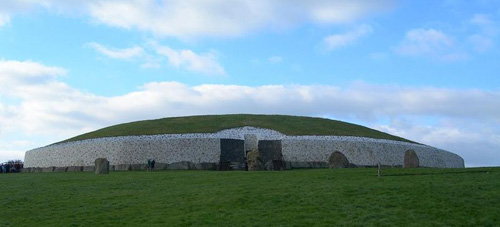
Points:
[[424, 70]]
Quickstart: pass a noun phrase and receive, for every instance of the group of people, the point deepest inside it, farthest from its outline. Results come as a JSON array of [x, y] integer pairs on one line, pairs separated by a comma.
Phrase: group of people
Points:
[[151, 165], [13, 166]]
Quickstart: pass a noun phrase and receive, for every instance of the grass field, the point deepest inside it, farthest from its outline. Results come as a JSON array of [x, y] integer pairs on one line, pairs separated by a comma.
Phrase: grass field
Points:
[[289, 125], [320, 197]]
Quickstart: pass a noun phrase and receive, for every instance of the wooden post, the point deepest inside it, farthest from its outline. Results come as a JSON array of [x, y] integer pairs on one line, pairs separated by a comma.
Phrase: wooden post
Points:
[[378, 172]]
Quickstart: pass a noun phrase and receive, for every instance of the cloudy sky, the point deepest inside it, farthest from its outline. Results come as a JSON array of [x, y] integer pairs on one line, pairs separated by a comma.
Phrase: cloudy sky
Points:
[[425, 70]]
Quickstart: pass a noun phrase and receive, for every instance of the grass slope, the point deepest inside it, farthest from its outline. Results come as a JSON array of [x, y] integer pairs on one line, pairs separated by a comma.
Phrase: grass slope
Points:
[[289, 125], [319, 197]]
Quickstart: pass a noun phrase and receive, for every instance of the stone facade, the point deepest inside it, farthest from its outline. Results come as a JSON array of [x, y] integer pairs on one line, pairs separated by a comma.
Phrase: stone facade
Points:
[[200, 149]]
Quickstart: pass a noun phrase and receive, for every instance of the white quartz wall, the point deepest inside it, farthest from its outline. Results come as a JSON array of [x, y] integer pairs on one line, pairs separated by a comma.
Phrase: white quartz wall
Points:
[[125, 150], [205, 147], [365, 152]]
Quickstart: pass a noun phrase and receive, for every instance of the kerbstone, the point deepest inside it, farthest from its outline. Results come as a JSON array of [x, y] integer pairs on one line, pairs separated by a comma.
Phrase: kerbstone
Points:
[[338, 160], [411, 159], [60, 169], [101, 166], [75, 169]]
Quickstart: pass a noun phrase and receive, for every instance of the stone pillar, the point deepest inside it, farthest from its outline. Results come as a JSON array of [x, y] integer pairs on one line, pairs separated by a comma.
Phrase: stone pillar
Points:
[[411, 159], [251, 142], [101, 166], [253, 160]]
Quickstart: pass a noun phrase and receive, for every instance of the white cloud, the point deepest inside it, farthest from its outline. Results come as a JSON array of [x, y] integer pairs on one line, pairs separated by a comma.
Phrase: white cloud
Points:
[[342, 11], [430, 43], [191, 18], [340, 40], [181, 18], [126, 53], [13, 73], [205, 63], [275, 59]]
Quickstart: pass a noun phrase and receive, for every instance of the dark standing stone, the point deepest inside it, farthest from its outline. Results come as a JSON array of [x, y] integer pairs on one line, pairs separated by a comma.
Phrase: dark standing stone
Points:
[[224, 166], [270, 150], [232, 150], [411, 159], [338, 160], [101, 166]]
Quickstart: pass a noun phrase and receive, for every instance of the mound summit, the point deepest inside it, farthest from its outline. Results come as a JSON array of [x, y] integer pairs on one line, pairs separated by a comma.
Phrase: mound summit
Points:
[[288, 125]]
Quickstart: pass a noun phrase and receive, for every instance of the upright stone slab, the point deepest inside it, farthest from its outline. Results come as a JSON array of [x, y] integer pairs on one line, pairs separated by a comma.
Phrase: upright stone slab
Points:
[[338, 160], [411, 159], [101, 166], [232, 150], [270, 150], [251, 142]]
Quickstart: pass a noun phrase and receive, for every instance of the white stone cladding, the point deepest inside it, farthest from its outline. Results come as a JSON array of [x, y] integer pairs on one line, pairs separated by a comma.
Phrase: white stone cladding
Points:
[[365, 153], [205, 148], [125, 150]]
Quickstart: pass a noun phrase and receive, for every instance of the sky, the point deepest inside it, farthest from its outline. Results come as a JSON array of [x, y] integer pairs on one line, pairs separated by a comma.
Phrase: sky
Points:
[[425, 70]]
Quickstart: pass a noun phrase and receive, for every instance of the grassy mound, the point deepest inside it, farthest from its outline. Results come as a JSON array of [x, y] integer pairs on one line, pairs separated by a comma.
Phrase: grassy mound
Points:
[[317, 197], [288, 125]]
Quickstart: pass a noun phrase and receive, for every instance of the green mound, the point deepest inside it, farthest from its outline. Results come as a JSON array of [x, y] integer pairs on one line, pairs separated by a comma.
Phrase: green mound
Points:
[[288, 125]]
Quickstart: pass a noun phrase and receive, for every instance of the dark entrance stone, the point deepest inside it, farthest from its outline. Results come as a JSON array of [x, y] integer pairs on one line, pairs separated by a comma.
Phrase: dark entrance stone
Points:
[[411, 159], [275, 165], [338, 160], [270, 150], [232, 150], [224, 166]]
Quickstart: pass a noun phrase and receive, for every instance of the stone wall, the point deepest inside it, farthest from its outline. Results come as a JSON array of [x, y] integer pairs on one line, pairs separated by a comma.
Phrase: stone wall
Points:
[[125, 150], [366, 152], [200, 148]]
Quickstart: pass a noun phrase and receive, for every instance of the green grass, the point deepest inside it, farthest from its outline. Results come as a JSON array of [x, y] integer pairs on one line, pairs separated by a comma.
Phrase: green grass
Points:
[[317, 197], [289, 125]]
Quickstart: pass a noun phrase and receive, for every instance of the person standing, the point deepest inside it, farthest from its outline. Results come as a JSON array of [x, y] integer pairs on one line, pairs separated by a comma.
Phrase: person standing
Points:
[[149, 164], [153, 165]]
